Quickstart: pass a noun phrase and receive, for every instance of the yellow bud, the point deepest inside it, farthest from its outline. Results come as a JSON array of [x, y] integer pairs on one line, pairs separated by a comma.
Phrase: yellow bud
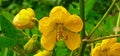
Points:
[[44, 53], [31, 46], [24, 19]]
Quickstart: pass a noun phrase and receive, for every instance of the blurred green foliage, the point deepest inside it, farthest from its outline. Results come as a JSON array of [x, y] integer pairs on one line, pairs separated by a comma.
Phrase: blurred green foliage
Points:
[[94, 10]]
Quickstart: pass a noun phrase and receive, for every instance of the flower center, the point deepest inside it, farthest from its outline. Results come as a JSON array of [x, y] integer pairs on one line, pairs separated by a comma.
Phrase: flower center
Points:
[[60, 30]]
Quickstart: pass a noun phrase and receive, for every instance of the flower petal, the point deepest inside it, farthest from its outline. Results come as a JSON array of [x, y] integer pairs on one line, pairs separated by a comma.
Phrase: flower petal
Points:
[[44, 53], [24, 19], [30, 12], [107, 43], [96, 51], [115, 50], [59, 14], [20, 18], [74, 23], [46, 26], [72, 40], [48, 41]]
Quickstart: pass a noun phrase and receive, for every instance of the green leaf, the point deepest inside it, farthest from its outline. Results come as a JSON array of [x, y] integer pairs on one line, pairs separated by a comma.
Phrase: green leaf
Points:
[[7, 27], [7, 15], [9, 30], [74, 9], [61, 49], [89, 5], [7, 42]]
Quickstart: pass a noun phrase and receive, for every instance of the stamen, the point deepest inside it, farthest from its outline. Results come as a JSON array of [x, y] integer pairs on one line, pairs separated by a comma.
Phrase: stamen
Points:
[[59, 31], [66, 38]]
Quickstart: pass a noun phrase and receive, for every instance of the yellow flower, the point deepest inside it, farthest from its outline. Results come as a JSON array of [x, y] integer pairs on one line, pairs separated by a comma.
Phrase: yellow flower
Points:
[[44, 53], [96, 51], [107, 43], [115, 49], [109, 47], [24, 19], [60, 25]]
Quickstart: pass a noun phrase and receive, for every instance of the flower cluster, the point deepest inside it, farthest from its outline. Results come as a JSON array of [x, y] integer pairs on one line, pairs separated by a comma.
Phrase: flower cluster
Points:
[[108, 47], [60, 25]]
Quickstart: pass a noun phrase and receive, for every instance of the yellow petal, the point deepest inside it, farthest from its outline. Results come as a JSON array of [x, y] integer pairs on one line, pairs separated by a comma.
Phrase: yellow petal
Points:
[[72, 40], [98, 44], [44, 53], [115, 50], [107, 43], [47, 53], [46, 26], [24, 19], [74, 23], [30, 12], [21, 18], [59, 14], [48, 41], [39, 54], [96, 51]]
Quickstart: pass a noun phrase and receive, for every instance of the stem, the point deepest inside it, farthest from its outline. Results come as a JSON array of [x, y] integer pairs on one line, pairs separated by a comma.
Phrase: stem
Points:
[[117, 25], [0, 3], [20, 51], [36, 19], [117, 6], [82, 49], [6, 51], [104, 16], [71, 53], [82, 16], [14, 53], [83, 32], [101, 38]]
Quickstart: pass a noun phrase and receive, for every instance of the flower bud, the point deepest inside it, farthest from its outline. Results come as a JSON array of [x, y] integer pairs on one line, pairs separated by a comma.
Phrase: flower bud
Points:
[[31, 46], [24, 19], [44, 53]]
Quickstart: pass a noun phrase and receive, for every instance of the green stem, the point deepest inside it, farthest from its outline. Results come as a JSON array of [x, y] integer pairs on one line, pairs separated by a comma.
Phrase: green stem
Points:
[[82, 49], [101, 38], [82, 16], [36, 19], [71, 53], [117, 25], [0, 3], [83, 32], [21, 52], [14, 53], [104, 16], [6, 51], [117, 6]]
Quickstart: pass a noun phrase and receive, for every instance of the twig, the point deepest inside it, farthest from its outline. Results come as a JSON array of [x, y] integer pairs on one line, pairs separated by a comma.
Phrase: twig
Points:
[[104, 16], [20, 51], [117, 6], [100, 38], [98, 24]]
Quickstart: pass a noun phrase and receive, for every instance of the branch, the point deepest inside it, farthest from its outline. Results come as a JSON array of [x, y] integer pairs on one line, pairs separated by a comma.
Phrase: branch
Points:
[[104, 16], [83, 45], [100, 38], [21, 52]]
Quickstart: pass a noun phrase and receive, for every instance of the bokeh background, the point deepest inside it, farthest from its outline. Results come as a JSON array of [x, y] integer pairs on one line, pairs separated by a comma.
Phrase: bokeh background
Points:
[[94, 10]]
